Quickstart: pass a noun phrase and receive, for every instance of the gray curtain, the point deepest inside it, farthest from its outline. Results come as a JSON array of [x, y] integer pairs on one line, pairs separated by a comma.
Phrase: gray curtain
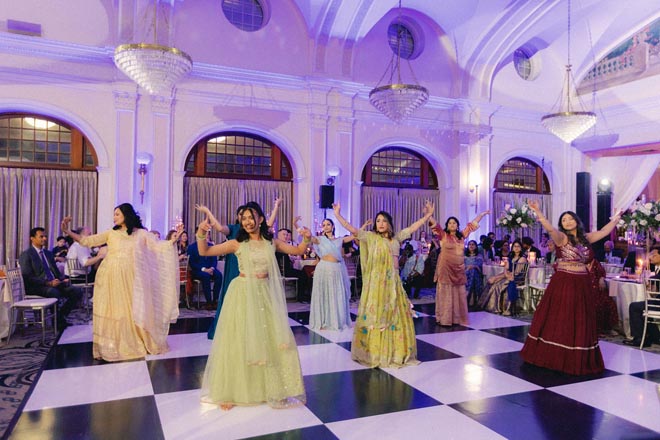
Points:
[[39, 197], [224, 196], [500, 199], [404, 205]]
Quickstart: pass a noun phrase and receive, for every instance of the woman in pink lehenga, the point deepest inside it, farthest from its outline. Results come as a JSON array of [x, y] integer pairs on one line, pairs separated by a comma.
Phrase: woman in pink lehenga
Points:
[[451, 296]]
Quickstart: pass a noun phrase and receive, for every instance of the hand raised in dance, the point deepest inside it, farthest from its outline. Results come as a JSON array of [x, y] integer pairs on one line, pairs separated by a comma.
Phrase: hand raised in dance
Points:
[[66, 224], [336, 207], [366, 224], [178, 230], [534, 206], [429, 207]]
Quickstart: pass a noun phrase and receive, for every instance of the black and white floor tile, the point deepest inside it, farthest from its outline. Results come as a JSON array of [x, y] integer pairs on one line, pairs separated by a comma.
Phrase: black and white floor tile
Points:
[[471, 384]]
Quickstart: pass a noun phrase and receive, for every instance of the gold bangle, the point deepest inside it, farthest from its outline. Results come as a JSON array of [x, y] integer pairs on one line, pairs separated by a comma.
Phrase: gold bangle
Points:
[[201, 237]]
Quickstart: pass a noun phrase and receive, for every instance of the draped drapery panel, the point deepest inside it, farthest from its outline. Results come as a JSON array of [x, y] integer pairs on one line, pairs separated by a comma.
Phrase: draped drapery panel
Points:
[[405, 205], [501, 199], [224, 196], [40, 197]]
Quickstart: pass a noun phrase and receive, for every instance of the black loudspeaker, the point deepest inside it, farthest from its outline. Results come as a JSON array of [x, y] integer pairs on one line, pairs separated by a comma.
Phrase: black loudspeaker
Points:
[[583, 198], [603, 208], [326, 196]]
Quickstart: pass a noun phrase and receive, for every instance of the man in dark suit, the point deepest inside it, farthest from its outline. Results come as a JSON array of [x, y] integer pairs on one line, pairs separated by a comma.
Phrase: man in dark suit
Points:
[[43, 278], [636, 311], [528, 246], [204, 269], [286, 267]]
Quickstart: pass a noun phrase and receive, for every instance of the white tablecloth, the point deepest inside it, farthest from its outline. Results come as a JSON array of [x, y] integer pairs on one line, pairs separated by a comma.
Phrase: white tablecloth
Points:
[[4, 307], [300, 263], [625, 293]]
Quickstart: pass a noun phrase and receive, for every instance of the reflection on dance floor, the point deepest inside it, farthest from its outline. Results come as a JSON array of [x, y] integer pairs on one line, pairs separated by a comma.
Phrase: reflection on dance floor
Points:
[[471, 384]]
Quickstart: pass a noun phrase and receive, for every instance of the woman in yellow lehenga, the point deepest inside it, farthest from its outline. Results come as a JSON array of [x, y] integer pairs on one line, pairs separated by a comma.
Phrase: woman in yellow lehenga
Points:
[[136, 289], [384, 334]]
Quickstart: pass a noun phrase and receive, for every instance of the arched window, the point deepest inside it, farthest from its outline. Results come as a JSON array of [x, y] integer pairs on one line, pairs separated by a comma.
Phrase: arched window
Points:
[[398, 181], [35, 141], [518, 181], [521, 175], [228, 169], [401, 168], [237, 155]]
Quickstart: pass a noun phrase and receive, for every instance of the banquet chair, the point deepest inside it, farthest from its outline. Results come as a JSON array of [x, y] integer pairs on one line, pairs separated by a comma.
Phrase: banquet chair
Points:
[[352, 263], [42, 309], [82, 281], [651, 306], [293, 281], [184, 281], [536, 290]]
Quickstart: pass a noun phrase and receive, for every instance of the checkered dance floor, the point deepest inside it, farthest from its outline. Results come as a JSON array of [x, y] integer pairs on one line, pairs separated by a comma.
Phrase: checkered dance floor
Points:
[[471, 384]]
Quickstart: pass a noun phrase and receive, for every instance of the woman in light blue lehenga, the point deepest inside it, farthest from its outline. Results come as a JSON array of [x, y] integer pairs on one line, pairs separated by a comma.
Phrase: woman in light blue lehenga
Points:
[[331, 291]]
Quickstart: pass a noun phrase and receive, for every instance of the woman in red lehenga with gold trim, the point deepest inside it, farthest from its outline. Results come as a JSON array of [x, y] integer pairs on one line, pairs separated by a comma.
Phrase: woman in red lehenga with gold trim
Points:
[[563, 335]]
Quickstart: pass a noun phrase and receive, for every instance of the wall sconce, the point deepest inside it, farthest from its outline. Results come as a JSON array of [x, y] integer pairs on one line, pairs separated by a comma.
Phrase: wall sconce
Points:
[[475, 190], [143, 159]]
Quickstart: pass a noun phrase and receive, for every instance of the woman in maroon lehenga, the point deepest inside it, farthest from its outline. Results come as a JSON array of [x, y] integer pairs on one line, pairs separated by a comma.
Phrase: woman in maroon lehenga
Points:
[[607, 317], [563, 334]]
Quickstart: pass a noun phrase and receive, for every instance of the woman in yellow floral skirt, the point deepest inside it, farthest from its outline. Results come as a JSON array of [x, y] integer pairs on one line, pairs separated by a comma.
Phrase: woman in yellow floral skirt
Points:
[[384, 334]]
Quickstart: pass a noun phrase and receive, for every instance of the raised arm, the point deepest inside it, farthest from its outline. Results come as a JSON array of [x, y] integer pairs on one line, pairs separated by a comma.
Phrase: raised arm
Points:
[[478, 218], [228, 247], [428, 213], [66, 228], [295, 250], [273, 215], [364, 226], [213, 222], [557, 236], [605, 230], [336, 207]]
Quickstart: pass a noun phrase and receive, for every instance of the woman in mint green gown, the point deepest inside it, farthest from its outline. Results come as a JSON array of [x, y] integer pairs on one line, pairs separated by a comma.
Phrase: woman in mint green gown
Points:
[[253, 358], [384, 334]]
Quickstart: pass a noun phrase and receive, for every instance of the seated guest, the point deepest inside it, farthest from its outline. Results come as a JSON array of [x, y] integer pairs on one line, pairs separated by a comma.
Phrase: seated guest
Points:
[[204, 269], [413, 271], [59, 252], [611, 255], [551, 255], [84, 256], [528, 246], [286, 267], [636, 310], [501, 294], [43, 278], [474, 272]]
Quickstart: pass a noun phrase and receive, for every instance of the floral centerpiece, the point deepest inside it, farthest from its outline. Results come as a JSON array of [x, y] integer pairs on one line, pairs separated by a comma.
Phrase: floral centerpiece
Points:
[[515, 217], [641, 217], [643, 220]]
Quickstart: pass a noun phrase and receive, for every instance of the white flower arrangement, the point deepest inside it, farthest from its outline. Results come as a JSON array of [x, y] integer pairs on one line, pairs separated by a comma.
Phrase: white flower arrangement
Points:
[[514, 217], [641, 217]]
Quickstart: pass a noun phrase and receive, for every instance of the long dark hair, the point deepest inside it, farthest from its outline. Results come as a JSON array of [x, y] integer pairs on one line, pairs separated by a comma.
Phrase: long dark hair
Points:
[[132, 219], [388, 217], [476, 249], [459, 234], [580, 237], [332, 223], [238, 214], [256, 210], [511, 251]]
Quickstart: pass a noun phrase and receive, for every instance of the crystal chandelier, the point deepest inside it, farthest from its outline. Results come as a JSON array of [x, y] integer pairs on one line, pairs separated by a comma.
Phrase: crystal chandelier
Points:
[[566, 123], [396, 100], [154, 67]]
